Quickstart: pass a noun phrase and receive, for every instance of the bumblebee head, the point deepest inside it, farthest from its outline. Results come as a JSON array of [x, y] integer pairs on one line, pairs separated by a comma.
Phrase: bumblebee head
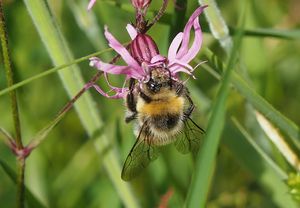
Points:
[[160, 79]]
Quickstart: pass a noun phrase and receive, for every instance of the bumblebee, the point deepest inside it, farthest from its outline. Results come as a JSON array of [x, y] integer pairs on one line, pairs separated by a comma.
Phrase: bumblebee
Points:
[[161, 108]]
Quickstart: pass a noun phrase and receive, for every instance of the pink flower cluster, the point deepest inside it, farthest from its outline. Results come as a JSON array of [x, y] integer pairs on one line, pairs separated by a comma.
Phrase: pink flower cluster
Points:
[[144, 55]]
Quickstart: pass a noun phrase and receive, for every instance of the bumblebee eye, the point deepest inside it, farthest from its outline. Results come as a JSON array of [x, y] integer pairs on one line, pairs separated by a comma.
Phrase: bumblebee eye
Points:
[[154, 86]]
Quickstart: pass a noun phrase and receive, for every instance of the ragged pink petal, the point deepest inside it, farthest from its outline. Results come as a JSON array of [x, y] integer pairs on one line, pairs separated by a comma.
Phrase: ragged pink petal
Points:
[[158, 59], [174, 46], [120, 49], [119, 92], [182, 70], [173, 67], [115, 69], [186, 32], [193, 51], [131, 31]]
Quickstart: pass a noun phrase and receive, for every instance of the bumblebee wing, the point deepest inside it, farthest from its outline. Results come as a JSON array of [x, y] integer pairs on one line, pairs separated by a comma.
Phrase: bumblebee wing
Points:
[[141, 154], [190, 138]]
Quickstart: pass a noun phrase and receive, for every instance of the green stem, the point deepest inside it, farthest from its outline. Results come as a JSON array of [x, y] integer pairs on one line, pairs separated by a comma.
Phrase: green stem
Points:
[[8, 140], [20, 182], [9, 77], [158, 15], [15, 111], [51, 71]]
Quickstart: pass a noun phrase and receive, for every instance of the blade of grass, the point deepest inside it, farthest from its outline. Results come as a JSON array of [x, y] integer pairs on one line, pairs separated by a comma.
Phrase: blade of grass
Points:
[[31, 200], [280, 173], [278, 141], [205, 160], [73, 82], [259, 103], [293, 34], [257, 162]]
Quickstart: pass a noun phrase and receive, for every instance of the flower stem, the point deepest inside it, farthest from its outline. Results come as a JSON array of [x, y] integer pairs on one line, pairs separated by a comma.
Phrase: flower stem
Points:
[[15, 111], [158, 15], [7, 138], [9, 77], [20, 182], [44, 132]]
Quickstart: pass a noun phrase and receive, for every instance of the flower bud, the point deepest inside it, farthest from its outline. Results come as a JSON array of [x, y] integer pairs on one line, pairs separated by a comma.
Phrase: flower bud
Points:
[[140, 4], [143, 48]]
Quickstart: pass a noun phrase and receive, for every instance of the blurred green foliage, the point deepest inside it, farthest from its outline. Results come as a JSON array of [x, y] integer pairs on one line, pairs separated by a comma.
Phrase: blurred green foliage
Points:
[[64, 171]]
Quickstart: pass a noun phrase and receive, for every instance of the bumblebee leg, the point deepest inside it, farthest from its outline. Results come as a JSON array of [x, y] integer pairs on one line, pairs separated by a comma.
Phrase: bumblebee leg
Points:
[[131, 102], [130, 98], [130, 117], [145, 97], [170, 78], [180, 89], [187, 113]]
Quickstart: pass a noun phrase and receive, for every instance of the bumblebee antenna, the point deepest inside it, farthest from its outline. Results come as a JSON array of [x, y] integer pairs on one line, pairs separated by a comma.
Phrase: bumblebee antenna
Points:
[[170, 76]]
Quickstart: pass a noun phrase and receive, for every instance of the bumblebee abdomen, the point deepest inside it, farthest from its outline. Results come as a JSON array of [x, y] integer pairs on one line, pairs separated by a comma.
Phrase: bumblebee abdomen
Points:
[[162, 107], [165, 122]]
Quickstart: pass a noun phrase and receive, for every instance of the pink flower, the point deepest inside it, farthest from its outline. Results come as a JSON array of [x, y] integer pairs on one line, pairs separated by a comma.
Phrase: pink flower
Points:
[[140, 4], [144, 55], [91, 4]]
